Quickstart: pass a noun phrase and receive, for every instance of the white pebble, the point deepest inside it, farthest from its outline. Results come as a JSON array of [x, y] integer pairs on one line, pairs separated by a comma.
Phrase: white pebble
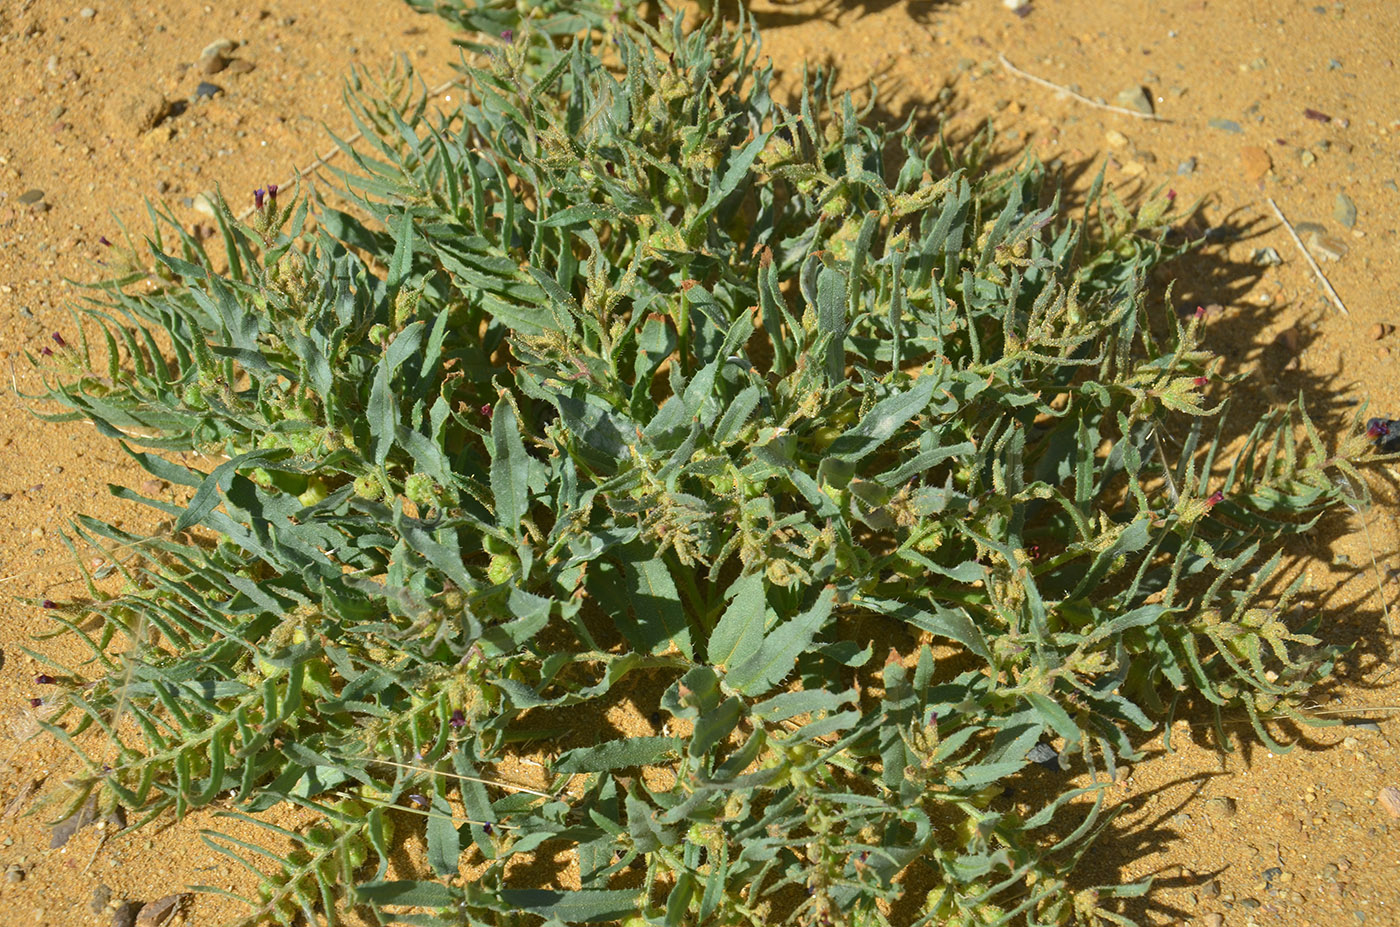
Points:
[[87, 12]]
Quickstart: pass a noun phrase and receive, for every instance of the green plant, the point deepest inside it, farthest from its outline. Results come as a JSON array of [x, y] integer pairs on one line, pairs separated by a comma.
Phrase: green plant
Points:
[[623, 379]]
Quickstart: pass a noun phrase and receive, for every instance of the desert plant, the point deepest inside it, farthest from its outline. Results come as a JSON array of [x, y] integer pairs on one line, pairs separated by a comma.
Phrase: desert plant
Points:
[[884, 479]]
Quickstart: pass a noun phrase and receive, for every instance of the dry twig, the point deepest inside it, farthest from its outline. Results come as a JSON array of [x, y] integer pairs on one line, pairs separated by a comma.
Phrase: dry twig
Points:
[[1078, 96], [1317, 271]]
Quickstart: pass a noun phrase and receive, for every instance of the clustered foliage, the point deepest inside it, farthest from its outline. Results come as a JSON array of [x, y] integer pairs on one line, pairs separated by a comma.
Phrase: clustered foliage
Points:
[[850, 468]]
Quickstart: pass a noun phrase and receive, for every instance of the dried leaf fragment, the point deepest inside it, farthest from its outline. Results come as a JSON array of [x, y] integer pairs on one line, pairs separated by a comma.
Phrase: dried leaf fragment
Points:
[[64, 830], [163, 910]]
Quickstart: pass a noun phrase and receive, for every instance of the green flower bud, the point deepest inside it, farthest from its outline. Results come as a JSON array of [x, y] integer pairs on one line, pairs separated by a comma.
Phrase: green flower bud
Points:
[[420, 488], [369, 487]]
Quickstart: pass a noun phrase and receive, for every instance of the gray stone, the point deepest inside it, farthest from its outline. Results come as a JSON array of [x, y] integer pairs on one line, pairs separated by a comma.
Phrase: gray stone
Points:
[[1187, 167], [31, 196], [1226, 125], [1344, 211], [1136, 99], [207, 91]]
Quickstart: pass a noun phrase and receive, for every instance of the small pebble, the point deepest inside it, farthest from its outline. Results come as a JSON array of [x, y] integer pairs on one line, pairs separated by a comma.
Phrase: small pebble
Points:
[[87, 12], [1186, 167], [1326, 247], [1361, 724], [1136, 98], [1214, 919], [205, 203], [239, 66], [207, 91], [15, 873], [1378, 331], [1273, 872], [1344, 211], [1211, 889], [101, 897], [1256, 163], [1390, 800], [31, 196], [1226, 125]]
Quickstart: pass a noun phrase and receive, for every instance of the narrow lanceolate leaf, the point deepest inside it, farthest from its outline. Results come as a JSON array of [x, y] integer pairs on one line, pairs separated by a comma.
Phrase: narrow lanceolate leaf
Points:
[[444, 840], [882, 421], [576, 907], [617, 754], [739, 632], [657, 606], [402, 260], [510, 470], [780, 649]]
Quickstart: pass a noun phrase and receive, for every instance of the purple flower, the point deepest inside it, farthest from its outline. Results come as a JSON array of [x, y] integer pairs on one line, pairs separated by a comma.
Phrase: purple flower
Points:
[[487, 828], [58, 340], [272, 191], [47, 351], [1215, 498], [36, 703], [48, 603], [458, 719], [419, 800], [102, 240], [44, 679], [258, 195], [508, 35]]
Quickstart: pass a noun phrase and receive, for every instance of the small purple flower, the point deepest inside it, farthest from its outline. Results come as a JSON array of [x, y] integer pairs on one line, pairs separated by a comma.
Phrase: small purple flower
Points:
[[36, 703], [508, 35], [48, 603], [458, 719], [44, 679], [272, 192], [58, 340], [102, 240], [1171, 196], [487, 829], [1215, 498], [420, 800], [47, 351], [1377, 428], [258, 195], [486, 410]]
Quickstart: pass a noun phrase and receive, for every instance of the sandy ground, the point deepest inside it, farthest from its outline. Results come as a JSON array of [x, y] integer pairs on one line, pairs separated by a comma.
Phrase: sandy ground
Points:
[[1293, 100]]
